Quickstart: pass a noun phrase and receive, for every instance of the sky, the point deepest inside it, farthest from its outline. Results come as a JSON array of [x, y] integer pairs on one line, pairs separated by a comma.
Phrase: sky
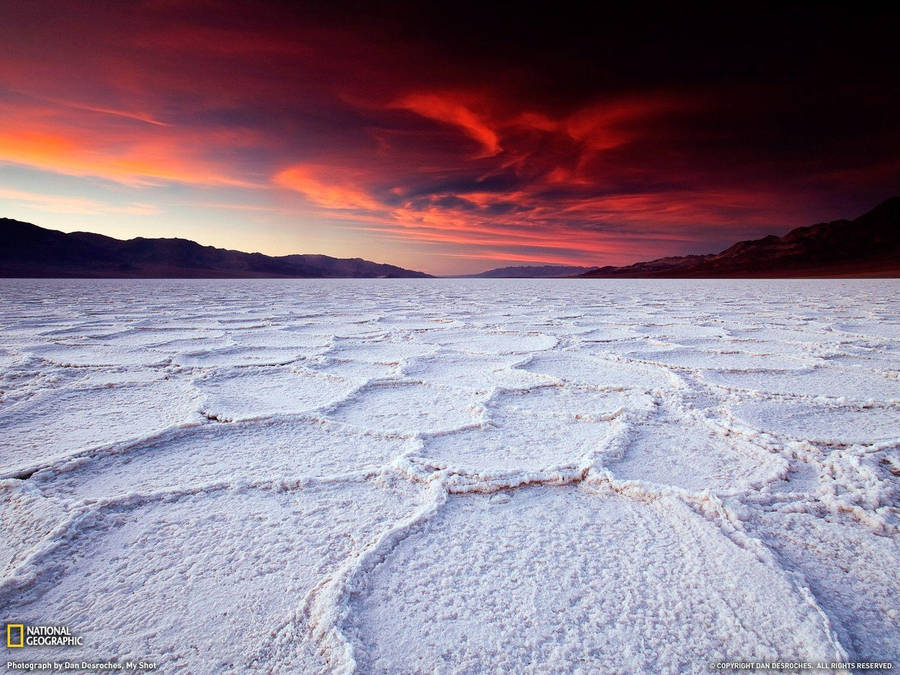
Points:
[[445, 137]]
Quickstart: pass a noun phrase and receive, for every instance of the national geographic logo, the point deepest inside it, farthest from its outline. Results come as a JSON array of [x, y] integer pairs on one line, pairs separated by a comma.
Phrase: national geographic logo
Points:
[[22, 635], [10, 631]]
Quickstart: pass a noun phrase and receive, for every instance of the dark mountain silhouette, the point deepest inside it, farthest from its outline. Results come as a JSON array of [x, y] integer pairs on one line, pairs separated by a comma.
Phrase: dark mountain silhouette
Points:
[[866, 247], [27, 250], [534, 271]]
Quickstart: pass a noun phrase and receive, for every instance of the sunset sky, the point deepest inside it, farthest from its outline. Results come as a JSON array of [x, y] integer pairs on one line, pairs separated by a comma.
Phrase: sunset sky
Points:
[[446, 138]]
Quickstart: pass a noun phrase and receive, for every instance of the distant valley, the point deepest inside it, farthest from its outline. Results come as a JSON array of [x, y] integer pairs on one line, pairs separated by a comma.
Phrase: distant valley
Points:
[[533, 271]]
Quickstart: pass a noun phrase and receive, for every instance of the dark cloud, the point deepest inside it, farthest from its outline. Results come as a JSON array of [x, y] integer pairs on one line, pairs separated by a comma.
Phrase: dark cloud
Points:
[[456, 123]]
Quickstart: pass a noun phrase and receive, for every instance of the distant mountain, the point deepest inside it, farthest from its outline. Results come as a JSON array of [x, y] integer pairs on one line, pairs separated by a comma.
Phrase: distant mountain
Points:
[[27, 250], [866, 247], [544, 271]]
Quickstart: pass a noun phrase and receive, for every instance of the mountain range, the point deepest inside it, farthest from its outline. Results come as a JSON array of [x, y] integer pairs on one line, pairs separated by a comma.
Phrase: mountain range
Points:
[[533, 271], [27, 250], [868, 246]]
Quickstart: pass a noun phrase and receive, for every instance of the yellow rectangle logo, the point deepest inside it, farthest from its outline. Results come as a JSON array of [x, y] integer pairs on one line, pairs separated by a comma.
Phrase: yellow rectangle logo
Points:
[[9, 635]]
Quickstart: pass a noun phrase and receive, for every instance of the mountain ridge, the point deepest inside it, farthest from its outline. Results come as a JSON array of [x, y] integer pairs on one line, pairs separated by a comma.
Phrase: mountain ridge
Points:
[[28, 250], [868, 246]]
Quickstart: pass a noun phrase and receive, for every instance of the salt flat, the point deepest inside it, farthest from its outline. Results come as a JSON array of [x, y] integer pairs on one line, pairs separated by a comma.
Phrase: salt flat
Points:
[[452, 475]]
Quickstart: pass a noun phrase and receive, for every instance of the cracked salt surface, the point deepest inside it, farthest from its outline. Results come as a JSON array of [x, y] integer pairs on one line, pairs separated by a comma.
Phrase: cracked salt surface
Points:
[[452, 475], [475, 588]]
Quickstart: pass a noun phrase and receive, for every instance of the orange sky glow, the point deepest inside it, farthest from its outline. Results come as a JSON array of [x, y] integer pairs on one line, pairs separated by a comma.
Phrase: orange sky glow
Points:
[[269, 130]]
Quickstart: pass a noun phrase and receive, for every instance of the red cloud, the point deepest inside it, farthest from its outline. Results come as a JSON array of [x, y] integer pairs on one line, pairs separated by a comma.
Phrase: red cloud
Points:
[[401, 139], [443, 108], [331, 187], [114, 145]]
